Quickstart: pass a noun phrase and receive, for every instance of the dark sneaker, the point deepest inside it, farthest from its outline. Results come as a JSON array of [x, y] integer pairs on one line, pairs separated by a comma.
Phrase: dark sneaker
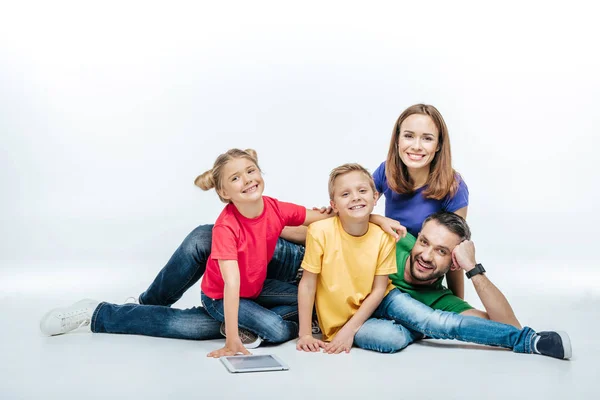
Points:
[[553, 344], [248, 338]]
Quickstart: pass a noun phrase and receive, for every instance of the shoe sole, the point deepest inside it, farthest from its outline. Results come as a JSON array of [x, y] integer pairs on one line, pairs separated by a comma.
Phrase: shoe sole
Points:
[[566, 342]]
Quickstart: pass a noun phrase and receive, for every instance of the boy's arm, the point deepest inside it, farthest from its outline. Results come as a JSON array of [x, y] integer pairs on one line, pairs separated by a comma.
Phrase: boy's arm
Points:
[[307, 289], [231, 303], [496, 305], [345, 337], [389, 226]]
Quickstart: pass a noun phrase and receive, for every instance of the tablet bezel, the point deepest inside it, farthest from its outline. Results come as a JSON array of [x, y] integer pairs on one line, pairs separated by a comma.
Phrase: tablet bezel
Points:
[[234, 369]]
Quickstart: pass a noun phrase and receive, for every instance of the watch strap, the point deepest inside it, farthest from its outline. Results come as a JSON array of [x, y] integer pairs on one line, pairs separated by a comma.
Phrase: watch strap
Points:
[[475, 271]]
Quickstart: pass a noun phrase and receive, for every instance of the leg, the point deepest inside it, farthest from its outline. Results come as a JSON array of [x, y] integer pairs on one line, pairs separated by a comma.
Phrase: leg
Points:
[[281, 298], [384, 336], [286, 261], [416, 316], [183, 270], [159, 321], [267, 324]]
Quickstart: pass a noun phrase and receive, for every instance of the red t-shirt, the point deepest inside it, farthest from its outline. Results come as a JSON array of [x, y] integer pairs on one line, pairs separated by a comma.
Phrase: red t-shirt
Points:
[[249, 241]]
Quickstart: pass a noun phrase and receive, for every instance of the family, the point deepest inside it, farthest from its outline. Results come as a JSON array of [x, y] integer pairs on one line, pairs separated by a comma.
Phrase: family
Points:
[[374, 281]]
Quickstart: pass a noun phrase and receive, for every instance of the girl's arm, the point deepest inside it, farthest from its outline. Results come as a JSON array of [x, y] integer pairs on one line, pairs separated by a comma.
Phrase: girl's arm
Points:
[[456, 279], [295, 234], [231, 303], [314, 216], [345, 337], [307, 289]]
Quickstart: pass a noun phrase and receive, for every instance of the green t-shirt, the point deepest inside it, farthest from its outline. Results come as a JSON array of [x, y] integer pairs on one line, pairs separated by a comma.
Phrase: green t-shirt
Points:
[[435, 295]]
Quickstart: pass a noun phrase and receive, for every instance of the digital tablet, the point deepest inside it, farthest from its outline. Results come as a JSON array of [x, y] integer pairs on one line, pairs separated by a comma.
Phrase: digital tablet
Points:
[[254, 363]]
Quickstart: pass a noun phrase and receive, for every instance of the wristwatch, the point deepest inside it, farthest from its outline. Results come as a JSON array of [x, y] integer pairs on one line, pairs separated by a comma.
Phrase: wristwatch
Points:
[[475, 271]]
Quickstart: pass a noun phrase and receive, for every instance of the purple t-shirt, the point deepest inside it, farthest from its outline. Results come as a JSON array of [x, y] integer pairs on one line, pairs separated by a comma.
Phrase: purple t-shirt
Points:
[[412, 209]]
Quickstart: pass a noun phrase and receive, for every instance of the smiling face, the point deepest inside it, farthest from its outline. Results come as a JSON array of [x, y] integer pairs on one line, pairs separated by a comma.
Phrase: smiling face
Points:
[[353, 196], [418, 141], [431, 257], [242, 181]]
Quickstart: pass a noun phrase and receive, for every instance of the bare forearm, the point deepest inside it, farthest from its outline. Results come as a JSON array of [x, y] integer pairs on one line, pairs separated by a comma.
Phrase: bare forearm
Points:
[[456, 282], [295, 234], [231, 304], [306, 301], [366, 309], [496, 305]]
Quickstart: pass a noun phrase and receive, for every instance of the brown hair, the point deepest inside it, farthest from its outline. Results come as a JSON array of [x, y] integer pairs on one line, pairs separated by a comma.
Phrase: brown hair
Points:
[[344, 169], [442, 177], [212, 178]]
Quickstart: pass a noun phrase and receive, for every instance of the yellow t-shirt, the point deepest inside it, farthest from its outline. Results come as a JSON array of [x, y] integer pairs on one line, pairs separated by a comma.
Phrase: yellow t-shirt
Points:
[[347, 266]]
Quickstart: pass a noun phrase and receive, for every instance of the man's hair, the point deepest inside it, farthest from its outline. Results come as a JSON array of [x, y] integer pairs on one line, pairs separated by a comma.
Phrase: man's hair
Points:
[[453, 222], [343, 170]]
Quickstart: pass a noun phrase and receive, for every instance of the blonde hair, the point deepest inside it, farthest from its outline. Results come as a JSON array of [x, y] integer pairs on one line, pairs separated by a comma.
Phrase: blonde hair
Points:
[[213, 177], [345, 169], [442, 177]]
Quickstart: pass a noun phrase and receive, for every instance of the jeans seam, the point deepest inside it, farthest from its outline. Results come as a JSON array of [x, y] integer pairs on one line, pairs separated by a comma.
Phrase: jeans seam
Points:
[[172, 295], [95, 316]]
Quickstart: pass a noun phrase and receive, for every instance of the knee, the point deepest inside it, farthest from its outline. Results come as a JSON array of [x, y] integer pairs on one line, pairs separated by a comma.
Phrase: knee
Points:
[[198, 242], [279, 331], [385, 337]]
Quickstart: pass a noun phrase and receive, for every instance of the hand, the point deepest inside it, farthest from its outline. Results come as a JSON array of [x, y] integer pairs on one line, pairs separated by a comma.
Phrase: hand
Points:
[[463, 255], [309, 343], [231, 348], [324, 210], [342, 342], [393, 227]]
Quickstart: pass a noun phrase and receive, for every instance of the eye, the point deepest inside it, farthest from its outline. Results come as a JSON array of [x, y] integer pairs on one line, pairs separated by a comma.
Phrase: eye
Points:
[[345, 194], [442, 252], [251, 170], [235, 178], [363, 191], [408, 135], [428, 138], [423, 242]]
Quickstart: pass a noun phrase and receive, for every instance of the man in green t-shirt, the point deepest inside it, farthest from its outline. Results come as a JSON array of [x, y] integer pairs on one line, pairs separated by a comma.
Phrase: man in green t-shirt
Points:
[[444, 245]]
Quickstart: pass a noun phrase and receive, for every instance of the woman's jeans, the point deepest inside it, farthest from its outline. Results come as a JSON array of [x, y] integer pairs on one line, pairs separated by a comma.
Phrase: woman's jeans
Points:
[[401, 320], [273, 315], [154, 315]]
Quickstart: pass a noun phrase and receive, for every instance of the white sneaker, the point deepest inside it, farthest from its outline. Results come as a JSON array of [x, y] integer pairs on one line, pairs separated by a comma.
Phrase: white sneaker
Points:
[[132, 300], [66, 319]]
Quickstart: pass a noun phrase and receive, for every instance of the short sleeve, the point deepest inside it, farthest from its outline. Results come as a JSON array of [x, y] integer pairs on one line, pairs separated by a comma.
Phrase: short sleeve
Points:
[[386, 261], [460, 198], [292, 214], [224, 243], [379, 177], [313, 255]]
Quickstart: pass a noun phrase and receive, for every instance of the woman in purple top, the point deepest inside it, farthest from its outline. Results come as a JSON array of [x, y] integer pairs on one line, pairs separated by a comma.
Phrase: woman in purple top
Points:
[[417, 178]]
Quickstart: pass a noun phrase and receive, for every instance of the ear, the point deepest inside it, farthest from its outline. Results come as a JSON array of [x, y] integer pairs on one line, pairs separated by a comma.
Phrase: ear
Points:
[[224, 194], [333, 206], [375, 197]]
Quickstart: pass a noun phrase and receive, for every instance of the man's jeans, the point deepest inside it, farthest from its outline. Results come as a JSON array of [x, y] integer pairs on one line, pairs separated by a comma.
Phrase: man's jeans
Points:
[[401, 320], [154, 315], [273, 315]]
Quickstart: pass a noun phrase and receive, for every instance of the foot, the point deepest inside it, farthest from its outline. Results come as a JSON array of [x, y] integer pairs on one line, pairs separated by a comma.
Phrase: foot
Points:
[[66, 319], [248, 338], [553, 344]]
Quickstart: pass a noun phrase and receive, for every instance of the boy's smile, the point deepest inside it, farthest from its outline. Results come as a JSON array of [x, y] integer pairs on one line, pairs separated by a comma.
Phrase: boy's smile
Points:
[[353, 197]]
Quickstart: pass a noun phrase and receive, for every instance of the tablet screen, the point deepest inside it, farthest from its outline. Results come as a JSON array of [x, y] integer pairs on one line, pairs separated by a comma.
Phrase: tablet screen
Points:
[[258, 361]]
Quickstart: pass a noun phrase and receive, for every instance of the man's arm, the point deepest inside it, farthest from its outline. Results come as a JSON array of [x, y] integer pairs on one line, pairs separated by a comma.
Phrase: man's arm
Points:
[[496, 305], [456, 279]]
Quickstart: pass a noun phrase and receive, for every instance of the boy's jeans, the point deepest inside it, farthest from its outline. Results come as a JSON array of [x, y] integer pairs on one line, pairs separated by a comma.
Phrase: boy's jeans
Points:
[[273, 315], [188, 264], [400, 320], [154, 315]]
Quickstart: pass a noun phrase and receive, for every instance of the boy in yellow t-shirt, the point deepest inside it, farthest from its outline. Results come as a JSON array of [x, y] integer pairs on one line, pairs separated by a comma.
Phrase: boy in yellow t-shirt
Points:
[[346, 268]]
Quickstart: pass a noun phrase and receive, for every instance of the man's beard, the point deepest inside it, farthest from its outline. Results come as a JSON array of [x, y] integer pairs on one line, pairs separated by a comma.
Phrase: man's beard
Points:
[[432, 276]]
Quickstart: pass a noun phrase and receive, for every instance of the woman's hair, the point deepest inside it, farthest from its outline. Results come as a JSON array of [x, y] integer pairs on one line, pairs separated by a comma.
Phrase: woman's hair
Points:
[[213, 177], [345, 169], [442, 177]]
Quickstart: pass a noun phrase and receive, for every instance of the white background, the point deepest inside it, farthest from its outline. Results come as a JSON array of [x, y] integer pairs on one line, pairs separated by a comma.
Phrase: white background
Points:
[[109, 110]]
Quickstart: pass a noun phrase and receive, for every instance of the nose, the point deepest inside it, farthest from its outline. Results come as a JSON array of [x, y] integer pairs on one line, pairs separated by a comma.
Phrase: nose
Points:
[[416, 144], [426, 254]]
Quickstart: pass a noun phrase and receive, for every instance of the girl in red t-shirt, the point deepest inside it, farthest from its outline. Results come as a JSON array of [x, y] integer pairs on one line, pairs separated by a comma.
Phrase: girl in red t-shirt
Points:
[[235, 290]]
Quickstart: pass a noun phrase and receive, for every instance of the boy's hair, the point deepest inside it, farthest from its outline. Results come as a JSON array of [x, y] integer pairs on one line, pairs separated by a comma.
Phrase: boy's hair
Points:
[[213, 177], [343, 170], [453, 222]]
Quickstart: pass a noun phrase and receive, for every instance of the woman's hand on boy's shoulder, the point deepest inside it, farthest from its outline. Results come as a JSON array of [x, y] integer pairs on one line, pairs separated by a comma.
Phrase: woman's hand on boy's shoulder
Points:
[[309, 343], [389, 226]]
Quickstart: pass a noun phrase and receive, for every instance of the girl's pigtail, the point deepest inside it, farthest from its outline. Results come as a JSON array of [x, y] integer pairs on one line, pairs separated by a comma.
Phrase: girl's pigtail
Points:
[[205, 181]]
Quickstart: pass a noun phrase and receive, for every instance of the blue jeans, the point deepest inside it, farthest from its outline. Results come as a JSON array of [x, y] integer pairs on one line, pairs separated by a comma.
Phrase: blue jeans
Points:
[[401, 320], [188, 263], [273, 315], [154, 315]]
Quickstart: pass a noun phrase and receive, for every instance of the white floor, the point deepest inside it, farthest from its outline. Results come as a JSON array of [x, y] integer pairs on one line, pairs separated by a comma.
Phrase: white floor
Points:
[[82, 365]]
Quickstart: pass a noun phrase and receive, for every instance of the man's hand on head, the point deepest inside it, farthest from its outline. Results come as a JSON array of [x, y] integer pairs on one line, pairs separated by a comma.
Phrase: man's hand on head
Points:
[[463, 255]]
